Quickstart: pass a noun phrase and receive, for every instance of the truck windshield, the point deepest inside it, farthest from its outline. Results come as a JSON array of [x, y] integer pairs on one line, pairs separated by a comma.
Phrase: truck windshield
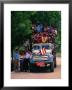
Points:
[[36, 47], [46, 46]]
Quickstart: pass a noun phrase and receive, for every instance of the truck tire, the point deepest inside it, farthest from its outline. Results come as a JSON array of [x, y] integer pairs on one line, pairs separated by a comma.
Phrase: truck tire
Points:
[[52, 67], [55, 64], [54, 54], [32, 68]]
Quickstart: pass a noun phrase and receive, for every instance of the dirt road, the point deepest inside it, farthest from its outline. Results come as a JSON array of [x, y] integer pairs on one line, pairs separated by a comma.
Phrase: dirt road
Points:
[[40, 75]]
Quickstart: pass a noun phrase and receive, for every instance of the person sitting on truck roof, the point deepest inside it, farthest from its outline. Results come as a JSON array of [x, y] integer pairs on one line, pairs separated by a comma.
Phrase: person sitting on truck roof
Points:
[[46, 28], [39, 27], [37, 38], [44, 38], [51, 32]]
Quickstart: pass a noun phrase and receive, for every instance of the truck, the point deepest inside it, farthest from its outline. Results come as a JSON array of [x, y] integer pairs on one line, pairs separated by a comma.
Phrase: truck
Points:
[[43, 48]]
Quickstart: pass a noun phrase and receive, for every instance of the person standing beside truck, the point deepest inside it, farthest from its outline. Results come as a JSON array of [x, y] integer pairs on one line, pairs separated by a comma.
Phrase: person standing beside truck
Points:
[[22, 56], [27, 60], [16, 59]]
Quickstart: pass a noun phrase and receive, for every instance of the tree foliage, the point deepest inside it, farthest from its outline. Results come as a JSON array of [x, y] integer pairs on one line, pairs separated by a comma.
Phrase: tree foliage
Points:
[[21, 22]]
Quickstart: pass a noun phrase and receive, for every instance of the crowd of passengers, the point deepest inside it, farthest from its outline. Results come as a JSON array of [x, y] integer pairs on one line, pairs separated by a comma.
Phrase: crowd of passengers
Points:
[[43, 33]]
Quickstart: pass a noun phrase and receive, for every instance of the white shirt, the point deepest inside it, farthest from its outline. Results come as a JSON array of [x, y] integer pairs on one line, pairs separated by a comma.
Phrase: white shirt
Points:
[[27, 55]]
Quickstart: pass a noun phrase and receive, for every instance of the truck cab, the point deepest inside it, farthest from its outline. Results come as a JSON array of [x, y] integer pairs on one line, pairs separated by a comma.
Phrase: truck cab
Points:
[[42, 56]]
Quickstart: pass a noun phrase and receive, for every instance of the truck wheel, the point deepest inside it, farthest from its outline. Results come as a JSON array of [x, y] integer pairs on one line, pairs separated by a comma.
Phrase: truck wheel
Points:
[[55, 64], [52, 67], [32, 68], [54, 54]]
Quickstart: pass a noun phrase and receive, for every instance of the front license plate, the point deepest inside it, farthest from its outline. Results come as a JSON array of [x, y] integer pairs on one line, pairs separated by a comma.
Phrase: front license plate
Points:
[[40, 64]]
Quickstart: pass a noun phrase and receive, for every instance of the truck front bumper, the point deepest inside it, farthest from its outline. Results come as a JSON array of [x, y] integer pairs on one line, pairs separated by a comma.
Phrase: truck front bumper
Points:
[[41, 63]]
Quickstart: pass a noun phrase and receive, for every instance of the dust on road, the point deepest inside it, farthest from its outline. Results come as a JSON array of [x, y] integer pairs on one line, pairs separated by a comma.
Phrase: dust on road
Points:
[[41, 75]]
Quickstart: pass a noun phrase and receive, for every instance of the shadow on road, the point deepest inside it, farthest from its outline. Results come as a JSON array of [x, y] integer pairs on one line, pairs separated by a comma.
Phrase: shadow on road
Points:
[[42, 70]]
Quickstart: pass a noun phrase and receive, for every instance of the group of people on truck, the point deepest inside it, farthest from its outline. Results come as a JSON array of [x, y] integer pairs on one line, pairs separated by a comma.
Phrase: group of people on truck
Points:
[[21, 60], [43, 33]]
